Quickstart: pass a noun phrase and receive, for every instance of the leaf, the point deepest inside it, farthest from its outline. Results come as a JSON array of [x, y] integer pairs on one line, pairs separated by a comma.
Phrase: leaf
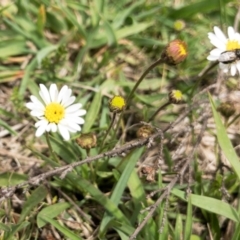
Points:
[[12, 47], [7, 127], [224, 141], [44, 52], [93, 112], [211, 205], [131, 160], [35, 198], [14, 229], [51, 212], [194, 8], [188, 223], [65, 231], [178, 228], [11, 179], [98, 196]]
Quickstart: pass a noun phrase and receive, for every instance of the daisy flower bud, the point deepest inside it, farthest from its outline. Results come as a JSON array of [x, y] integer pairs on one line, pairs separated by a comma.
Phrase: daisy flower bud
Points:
[[227, 109], [117, 104], [179, 25], [175, 52], [56, 111], [175, 97], [87, 141], [226, 51], [144, 131]]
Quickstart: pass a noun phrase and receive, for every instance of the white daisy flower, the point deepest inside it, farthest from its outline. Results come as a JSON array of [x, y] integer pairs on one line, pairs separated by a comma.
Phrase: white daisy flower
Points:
[[56, 111], [223, 44]]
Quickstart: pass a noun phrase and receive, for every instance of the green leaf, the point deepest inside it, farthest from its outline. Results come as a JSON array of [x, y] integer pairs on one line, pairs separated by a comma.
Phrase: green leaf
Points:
[[224, 141], [35, 198], [194, 8], [93, 112], [11, 179], [178, 228], [188, 223], [98, 196], [65, 231], [44, 52], [211, 205], [51, 212], [131, 160], [14, 229], [12, 47], [7, 127]]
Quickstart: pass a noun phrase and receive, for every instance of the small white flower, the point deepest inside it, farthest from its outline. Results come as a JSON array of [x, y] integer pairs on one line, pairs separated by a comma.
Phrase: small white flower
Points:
[[222, 44], [57, 112]]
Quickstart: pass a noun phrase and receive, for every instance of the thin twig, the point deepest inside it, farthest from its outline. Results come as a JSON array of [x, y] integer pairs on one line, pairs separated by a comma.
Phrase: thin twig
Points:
[[170, 186]]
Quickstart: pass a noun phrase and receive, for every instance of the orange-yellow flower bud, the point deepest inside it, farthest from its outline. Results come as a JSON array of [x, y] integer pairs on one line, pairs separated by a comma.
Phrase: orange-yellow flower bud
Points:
[[175, 52]]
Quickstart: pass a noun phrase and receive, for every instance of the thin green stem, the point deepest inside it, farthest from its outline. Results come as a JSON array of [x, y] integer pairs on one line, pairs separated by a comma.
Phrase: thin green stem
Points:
[[108, 130], [50, 148], [153, 65], [158, 110]]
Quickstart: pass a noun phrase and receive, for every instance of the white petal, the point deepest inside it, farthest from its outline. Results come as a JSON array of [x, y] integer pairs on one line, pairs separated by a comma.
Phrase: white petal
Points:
[[219, 34], [41, 128], [62, 93], [64, 131], [75, 119], [233, 69], [80, 112], [48, 128], [53, 127], [238, 66], [73, 108], [212, 58], [231, 33], [66, 97], [44, 94], [36, 101], [37, 113], [69, 102], [34, 106], [216, 52], [41, 122], [217, 42], [53, 91]]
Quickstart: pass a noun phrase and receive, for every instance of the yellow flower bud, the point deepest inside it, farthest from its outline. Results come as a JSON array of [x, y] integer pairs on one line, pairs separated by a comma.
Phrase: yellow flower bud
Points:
[[117, 104], [175, 97]]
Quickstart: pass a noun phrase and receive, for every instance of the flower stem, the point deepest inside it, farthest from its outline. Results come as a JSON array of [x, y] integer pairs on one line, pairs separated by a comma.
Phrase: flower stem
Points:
[[108, 130], [50, 148], [159, 109], [153, 65]]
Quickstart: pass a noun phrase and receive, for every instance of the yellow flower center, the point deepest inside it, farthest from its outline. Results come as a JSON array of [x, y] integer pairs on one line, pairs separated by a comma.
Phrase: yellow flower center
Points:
[[182, 50], [117, 103], [177, 95], [232, 45], [54, 112]]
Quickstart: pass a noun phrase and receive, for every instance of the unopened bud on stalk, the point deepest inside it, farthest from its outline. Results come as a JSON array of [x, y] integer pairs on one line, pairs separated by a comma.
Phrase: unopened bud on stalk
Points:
[[144, 132], [175, 97], [87, 141], [117, 104], [175, 52]]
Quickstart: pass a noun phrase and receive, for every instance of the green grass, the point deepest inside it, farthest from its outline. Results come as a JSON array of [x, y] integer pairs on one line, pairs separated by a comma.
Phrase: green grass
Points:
[[100, 48]]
